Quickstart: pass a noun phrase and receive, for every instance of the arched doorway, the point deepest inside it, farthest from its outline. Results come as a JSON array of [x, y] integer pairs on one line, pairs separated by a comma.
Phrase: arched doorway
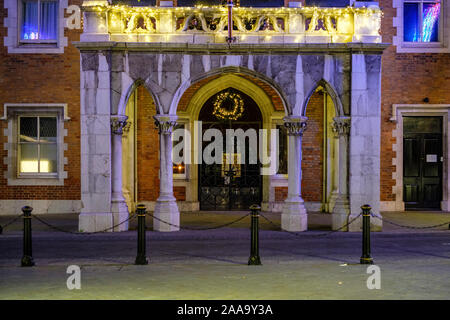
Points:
[[236, 184]]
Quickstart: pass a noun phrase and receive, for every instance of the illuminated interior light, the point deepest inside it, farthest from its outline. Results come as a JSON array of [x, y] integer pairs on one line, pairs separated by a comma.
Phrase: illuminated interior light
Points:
[[32, 166], [430, 17]]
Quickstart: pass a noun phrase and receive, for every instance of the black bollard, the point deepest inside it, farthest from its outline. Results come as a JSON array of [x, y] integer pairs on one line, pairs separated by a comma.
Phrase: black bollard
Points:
[[141, 259], [27, 259], [1, 229], [254, 246], [365, 258]]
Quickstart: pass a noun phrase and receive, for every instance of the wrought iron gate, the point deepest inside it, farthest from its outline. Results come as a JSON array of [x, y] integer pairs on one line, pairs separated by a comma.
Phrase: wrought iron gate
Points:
[[230, 186]]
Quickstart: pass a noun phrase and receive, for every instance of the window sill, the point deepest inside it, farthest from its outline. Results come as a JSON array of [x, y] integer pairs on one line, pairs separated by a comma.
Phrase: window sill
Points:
[[36, 181]]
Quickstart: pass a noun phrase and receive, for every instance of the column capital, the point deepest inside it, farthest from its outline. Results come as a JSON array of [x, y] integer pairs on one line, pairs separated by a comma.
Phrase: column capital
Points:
[[118, 123], [341, 126], [165, 123], [295, 125]]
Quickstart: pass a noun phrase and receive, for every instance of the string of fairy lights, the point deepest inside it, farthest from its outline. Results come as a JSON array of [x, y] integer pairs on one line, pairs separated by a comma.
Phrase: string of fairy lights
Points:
[[125, 18], [235, 105]]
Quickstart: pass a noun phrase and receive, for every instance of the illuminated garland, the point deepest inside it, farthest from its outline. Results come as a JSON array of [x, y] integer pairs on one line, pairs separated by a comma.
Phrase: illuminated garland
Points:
[[224, 114]]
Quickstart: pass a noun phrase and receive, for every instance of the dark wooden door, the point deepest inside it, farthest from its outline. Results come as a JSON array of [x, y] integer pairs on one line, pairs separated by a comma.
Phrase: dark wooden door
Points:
[[422, 162]]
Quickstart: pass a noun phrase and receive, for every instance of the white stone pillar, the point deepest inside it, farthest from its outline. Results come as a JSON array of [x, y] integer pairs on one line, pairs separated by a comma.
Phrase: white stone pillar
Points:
[[365, 138], [293, 216], [341, 210], [166, 207], [119, 207]]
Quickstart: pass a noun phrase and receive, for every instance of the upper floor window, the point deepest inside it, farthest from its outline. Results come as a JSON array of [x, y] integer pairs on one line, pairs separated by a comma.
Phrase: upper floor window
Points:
[[35, 26], [39, 21], [421, 21]]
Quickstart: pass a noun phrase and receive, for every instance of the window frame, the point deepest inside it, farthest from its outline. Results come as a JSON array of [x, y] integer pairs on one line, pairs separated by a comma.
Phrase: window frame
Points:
[[420, 14], [182, 176], [11, 111], [442, 46], [20, 23], [13, 23], [19, 143]]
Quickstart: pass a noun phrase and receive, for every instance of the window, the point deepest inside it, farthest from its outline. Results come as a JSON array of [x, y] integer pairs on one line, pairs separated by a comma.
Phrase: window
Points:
[[423, 26], [37, 145], [35, 26], [39, 21], [421, 21], [179, 147], [282, 151]]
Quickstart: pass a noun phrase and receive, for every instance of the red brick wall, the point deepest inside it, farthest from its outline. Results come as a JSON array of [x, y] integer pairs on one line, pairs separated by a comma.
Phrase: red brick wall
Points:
[[179, 193], [312, 149], [43, 78], [406, 78], [147, 147]]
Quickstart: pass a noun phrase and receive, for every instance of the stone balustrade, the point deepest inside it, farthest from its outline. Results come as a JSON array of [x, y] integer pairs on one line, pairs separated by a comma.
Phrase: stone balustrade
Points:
[[106, 22]]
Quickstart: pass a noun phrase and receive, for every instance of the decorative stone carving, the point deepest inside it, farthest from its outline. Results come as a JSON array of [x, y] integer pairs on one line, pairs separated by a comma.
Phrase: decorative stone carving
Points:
[[165, 124], [341, 126], [118, 123], [295, 125]]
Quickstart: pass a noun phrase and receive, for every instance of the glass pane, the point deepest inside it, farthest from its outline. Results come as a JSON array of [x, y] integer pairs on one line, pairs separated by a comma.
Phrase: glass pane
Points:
[[28, 129], [430, 18], [411, 30], [178, 151], [282, 145], [48, 158], [422, 124], [47, 128], [49, 16], [29, 20], [28, 157]]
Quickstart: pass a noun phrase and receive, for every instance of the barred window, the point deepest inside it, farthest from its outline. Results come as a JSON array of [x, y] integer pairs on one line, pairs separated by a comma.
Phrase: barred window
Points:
[[37, 145]]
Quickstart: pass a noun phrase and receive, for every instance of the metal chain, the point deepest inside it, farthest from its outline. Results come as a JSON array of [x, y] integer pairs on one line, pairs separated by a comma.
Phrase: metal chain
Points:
[[200, 229], [408, 227], [82, 233], [313, 235], [11, 221]]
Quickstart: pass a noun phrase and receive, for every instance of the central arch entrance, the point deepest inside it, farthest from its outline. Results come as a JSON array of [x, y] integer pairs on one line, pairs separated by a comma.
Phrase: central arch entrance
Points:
[[237, 184]]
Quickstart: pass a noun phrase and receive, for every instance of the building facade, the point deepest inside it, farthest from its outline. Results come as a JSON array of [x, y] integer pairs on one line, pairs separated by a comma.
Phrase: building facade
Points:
[[80, 104]]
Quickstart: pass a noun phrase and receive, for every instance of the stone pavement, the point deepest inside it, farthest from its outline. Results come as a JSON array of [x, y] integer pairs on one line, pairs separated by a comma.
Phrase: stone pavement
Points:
[[213, 264]]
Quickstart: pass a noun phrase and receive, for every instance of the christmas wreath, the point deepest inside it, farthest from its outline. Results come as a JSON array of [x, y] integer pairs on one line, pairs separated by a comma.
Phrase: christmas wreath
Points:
[[228, 106]]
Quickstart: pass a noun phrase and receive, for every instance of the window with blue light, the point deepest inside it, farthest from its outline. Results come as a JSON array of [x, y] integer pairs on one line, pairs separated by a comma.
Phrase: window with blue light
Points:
[[39, 20], [421, 21]]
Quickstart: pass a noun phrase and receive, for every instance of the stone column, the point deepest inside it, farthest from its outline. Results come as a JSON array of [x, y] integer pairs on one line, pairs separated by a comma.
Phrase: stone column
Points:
[[166, 206], [341, 210], [293, 216], [365, 137], [119, 207]]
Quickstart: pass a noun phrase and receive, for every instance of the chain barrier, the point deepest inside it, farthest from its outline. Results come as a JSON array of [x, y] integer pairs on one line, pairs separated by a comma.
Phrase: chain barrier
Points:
[[2, 227], [409, 227], [82, 233], [198, 229], [313, 235]]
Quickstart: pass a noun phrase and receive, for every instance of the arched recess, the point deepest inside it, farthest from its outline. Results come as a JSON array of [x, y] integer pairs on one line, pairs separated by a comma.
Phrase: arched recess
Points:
[[321, 178], [331, 92], [140, 147], [194, 106], [126, 95], [270, 87]]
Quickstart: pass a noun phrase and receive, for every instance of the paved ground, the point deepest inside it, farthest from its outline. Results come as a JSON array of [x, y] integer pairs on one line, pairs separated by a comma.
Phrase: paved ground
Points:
[[414, 264]]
